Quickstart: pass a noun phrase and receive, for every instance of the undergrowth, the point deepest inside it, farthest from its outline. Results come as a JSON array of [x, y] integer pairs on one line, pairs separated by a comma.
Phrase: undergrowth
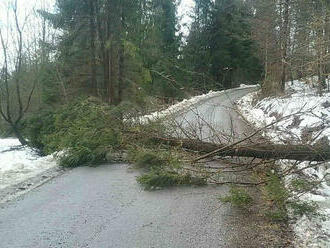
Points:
[[280, 202], [283, 199]]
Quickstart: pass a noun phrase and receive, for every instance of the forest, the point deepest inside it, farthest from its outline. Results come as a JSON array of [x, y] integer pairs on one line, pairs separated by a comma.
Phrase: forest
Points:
[[132, 56]]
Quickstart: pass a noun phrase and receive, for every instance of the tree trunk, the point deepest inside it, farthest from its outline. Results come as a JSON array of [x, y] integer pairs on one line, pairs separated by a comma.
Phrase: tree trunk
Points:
[[121, 59], [18, 135], [264, 151], [112, 74], [92, 26], [106, 73], [285, 37]]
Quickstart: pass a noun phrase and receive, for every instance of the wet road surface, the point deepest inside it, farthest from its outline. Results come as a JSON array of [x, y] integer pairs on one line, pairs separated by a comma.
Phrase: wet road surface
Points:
[[105, 207], [215, 119]]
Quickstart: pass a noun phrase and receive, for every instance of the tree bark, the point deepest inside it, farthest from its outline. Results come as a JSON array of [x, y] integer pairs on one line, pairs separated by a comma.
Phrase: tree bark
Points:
[[92, 26], [121, 58], [18, 135], [285, 37], [262, 151]]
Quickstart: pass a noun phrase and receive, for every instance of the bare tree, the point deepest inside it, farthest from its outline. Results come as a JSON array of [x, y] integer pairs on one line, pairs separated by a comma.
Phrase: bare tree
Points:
[[13, 105]]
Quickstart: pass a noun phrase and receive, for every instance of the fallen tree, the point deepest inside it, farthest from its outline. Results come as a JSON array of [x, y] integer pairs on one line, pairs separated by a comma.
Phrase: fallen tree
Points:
[[262, 151]]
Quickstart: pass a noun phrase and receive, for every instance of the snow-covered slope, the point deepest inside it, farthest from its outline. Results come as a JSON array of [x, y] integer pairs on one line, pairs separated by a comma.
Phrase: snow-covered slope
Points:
[[308, 115], [303, 116]]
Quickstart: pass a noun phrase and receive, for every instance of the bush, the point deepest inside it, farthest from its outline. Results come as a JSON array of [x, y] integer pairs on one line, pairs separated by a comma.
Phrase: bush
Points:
[[283, 198], [277, 215], [303, 185]]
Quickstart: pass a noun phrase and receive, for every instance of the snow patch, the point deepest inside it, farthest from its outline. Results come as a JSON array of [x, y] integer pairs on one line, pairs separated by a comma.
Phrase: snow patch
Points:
[[18, 163]]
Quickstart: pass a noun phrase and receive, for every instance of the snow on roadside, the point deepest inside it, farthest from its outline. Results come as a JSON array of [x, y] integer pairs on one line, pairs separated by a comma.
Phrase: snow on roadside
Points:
[[18, 164], [310, 125], [186, 104], [313, 118]]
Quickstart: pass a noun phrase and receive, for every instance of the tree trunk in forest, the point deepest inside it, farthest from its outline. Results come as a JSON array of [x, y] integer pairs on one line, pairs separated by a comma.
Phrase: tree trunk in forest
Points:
[[109, 56], [106, 72], [121, 59], [111, 87], [92, 26], [284, 46]]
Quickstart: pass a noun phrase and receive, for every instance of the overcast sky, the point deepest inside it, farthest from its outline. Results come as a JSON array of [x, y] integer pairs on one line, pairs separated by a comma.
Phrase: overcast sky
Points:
[[27, 18], [25, 7]]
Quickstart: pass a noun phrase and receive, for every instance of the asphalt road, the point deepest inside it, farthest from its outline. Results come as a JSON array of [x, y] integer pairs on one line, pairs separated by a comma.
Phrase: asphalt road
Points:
[[214, 120], [104, 207]]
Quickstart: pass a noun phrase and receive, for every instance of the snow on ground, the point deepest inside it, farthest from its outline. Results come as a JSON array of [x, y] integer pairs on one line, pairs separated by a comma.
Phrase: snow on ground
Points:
[[185, 104], [311, 122], [21, 163], [301, 116]]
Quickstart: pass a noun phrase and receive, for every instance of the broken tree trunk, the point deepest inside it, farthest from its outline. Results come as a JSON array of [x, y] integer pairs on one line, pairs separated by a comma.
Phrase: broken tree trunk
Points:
[[262, 151]]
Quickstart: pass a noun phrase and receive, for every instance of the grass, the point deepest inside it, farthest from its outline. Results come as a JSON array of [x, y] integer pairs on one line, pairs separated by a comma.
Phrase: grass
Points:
[[283, 199], [238, 197], [307, 208]]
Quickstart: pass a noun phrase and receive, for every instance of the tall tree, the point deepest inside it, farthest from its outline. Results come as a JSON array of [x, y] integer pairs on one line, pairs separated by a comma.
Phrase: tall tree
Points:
[[107, 43], [220, 43]]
